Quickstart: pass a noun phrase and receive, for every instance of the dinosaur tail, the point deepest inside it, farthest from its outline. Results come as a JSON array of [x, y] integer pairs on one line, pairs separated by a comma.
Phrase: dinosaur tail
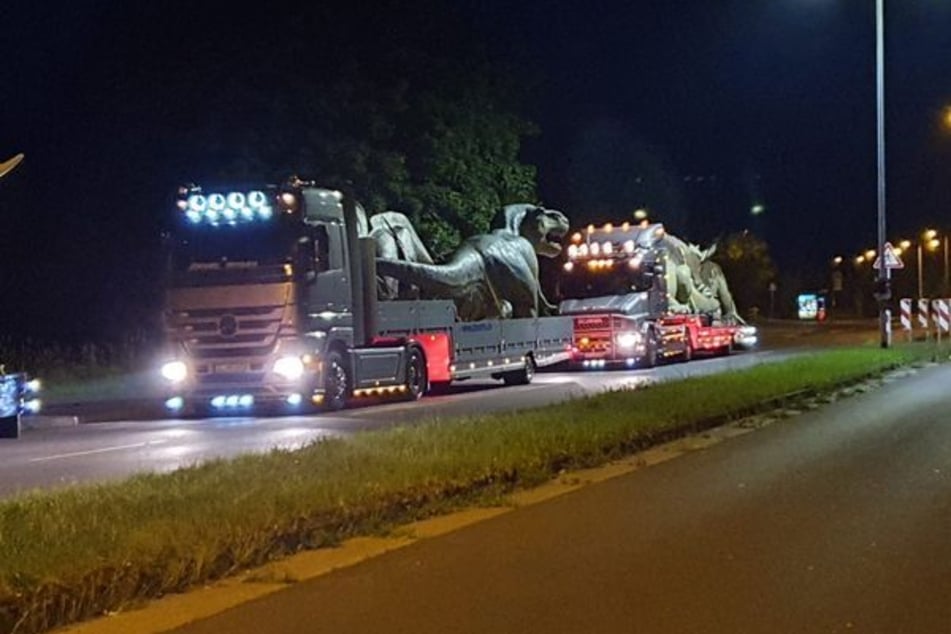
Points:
[[434, 279]]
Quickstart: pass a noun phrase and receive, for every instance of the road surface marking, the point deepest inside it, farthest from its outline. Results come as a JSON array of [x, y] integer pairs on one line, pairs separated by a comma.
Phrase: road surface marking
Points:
[[90, 452]]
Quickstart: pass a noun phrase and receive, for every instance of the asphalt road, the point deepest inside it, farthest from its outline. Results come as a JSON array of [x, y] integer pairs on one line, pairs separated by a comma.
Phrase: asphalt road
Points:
[[835, 520], [88, 452]]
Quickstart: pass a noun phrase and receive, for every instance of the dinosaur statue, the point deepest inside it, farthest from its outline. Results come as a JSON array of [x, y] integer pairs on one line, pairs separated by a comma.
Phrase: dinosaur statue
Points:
[[686, 291], [492, 275], [7, 166], [695, 283], [713, 279]]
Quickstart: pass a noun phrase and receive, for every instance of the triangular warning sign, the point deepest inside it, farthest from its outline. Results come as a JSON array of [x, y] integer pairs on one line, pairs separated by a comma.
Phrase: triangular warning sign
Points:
[[892, 261]]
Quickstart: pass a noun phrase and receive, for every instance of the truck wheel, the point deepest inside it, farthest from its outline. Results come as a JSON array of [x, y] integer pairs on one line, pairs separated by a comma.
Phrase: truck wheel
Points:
[[336, 382], [416, 382], [650, 350], [521, 377]]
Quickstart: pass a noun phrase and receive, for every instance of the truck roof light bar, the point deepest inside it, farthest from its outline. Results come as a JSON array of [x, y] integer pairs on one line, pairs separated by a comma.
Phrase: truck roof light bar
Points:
[[224, 208]]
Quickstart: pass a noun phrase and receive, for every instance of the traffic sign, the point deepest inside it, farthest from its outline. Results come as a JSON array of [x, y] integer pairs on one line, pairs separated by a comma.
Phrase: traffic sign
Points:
[[892, 261]]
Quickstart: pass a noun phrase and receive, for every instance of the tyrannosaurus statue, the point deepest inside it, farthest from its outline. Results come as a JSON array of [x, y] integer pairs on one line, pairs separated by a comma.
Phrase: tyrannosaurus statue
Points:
[[492, 275], [695, 283]]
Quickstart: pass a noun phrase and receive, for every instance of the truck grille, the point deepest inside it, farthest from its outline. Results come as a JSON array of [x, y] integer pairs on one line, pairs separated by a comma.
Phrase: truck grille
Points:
[[227, 333]]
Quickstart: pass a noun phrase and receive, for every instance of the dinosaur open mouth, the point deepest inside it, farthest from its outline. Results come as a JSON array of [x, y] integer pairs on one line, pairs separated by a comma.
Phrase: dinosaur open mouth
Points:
[[555, 237]]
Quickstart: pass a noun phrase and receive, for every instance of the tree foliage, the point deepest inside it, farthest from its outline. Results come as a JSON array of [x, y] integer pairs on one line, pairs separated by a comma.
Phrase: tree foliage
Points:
[[404, 125], [748, 267]]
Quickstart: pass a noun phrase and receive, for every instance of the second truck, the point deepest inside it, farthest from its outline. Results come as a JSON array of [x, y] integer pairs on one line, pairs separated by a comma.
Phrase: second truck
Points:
[[620, 286]]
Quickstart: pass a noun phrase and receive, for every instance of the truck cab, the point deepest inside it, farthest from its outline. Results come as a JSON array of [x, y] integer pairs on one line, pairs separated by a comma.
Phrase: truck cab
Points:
[[258, 298]]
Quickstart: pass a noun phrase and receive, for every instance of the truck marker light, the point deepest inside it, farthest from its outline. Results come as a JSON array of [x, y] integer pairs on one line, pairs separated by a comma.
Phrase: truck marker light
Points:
[[236, 200], [216, 202], [197, 202], [256, 199]]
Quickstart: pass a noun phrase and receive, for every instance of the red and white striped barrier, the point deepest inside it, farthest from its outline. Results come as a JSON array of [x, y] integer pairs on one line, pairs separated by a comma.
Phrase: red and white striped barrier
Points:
[[905, 306], [941, 315], [923, 314]]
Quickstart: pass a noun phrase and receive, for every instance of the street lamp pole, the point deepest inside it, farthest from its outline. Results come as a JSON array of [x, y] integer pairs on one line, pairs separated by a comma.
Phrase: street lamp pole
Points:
[[921, 292], [947, 287], [884, 273]]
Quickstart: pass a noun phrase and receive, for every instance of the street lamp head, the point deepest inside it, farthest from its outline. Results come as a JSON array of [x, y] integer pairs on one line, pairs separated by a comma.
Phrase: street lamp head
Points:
[[933, 244], [929, 234], [905, 244], [870, 254], [837, 259], [859, 259]]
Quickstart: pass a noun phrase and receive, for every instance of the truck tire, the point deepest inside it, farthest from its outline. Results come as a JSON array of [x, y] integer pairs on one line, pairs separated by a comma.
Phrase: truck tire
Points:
[[336, 382], [416, 380], [650, 349], [523, 376]]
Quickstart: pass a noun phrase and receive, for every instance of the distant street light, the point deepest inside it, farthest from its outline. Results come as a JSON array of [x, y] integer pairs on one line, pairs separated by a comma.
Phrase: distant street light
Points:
[[929, 240]]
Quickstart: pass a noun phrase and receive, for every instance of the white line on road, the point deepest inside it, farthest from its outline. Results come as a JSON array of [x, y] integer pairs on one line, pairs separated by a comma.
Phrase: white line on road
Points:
[[90, 452]]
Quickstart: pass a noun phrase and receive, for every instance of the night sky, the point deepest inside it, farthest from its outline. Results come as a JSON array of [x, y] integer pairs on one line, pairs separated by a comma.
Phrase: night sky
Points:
[[734, 103]]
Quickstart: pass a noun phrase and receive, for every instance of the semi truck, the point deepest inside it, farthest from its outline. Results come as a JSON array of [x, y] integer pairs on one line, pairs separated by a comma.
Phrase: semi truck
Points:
[[272, 302], [614, 285]]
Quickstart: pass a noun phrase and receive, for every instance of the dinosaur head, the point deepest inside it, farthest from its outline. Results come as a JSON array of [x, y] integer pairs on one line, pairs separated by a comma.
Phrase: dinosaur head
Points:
[[543, 228]]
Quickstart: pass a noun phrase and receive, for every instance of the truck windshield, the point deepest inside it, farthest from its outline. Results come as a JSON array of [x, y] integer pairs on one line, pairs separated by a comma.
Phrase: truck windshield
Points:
[[583, 283], [232, 255]]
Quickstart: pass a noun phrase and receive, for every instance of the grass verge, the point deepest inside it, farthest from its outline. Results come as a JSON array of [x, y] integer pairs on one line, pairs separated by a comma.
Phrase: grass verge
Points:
[[71, 554]]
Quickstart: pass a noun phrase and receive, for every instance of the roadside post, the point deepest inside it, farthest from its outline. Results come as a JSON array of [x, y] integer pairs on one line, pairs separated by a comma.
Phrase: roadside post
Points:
[[905, 310], [941, 316], [885, 263], [923, 316]]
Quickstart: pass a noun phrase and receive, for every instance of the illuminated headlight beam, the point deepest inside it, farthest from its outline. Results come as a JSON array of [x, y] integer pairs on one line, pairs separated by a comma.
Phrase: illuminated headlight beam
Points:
[[291, 368], [175, 371]]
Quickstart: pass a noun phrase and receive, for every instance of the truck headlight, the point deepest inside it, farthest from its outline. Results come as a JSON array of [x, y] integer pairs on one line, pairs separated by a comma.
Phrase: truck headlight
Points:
[[291, 368], [175, 371], [628, 340]]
